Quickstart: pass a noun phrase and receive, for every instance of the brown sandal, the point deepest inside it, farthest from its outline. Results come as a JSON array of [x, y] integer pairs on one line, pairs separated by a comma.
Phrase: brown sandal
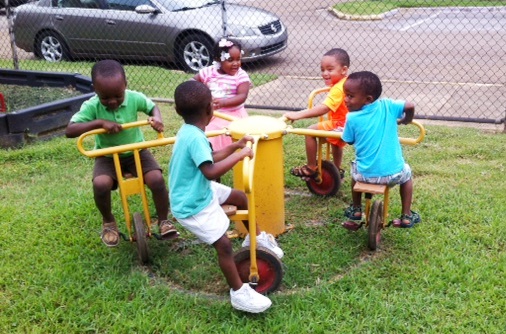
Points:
[[167, 230], [110, 234], [306, 173]]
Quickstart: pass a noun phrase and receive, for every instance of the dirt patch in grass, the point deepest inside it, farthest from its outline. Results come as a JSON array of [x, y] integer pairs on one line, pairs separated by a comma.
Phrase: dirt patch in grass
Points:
[[18, 97]]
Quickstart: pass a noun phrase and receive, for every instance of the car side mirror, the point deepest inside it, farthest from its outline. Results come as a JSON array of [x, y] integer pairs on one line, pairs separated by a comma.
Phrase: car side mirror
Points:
[[146, 9]]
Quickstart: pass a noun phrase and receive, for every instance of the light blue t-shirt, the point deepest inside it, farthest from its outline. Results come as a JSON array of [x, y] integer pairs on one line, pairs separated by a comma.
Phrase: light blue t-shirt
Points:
[[189, 190], [373, 132]]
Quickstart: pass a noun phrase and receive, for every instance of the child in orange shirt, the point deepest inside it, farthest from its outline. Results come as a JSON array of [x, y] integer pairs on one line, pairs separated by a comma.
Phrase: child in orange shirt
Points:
[[334, 67]]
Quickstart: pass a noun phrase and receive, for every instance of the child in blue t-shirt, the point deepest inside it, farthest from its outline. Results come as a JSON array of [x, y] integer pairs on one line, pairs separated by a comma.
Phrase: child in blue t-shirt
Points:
[[196, 200], [371, 126]]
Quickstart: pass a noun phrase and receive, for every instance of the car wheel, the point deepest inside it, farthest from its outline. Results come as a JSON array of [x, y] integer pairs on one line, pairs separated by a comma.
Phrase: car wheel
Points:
[[51, 47], [195, 53]]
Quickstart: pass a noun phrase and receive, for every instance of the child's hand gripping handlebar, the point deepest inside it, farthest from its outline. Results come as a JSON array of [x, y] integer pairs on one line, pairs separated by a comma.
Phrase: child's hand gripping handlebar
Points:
[[160, 141]]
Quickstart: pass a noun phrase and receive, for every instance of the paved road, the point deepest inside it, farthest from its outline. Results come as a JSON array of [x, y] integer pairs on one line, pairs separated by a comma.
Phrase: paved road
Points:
[[450, 61], [397, 45]]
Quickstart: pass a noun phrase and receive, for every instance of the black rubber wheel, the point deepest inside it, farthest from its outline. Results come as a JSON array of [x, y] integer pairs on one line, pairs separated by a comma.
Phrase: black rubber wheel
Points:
[[270, 268], [375, 225], [331, 181], [140, 238], [194, 53], [50, 46]]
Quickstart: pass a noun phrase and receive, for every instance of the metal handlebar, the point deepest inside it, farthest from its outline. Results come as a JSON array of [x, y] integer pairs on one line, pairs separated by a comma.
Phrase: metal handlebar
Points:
[[314, 93], [160, 141], [334, 134], [406, 141], [412, 141], [248, 166], [224, 116]]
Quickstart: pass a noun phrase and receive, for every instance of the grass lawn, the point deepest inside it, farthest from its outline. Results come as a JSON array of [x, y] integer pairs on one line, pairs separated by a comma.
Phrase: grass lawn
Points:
[[20, 97], [372, 7], [446, 275]]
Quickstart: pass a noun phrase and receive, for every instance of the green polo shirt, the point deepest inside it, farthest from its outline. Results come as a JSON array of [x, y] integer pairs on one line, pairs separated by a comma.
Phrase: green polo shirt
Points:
[[127, 112]]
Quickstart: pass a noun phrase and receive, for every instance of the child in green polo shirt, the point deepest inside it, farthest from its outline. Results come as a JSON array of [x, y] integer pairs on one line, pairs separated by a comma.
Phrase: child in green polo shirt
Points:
[[112, 106]]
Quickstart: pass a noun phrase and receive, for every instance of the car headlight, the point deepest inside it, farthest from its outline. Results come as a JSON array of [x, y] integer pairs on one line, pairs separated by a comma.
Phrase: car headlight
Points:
[[241, 31]]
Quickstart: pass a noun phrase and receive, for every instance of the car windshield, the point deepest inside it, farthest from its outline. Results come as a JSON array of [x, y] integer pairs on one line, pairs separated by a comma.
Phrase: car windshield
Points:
[[178, 5]]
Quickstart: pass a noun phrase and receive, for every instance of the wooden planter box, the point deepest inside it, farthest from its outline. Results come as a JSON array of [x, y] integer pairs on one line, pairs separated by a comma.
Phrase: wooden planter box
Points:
[[46, 120]]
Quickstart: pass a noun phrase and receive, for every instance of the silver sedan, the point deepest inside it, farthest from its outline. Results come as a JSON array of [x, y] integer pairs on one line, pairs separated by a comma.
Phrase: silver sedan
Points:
[[181, 31]]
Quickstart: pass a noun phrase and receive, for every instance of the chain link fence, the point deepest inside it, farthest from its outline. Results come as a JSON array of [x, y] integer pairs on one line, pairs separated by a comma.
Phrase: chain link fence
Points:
[[449, 61]]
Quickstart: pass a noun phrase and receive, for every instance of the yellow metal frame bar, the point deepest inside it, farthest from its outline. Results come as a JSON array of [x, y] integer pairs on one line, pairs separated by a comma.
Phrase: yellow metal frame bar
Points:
[[250, 214], [130, 186]]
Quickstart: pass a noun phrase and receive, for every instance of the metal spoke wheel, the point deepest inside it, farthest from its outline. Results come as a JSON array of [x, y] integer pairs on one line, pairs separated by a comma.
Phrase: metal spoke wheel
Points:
[[331, 181], [375, 225], [270, 268], [50, 46], [140, 238], [195, 53]]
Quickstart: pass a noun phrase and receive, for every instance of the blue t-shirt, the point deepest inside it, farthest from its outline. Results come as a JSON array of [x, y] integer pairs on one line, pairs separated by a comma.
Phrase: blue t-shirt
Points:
[[373, 132], [189, 190]]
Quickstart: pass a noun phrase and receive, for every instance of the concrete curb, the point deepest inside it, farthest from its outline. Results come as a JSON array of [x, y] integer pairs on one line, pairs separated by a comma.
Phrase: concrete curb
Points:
[[351, 17]]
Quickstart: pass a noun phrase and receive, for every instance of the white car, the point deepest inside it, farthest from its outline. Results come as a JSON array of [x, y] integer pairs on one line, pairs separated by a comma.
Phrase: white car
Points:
[[181, 31]]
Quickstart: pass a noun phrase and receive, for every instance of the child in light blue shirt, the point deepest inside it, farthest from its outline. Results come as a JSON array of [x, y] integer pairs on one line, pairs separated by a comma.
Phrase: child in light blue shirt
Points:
[[371, 126], [196, 200]]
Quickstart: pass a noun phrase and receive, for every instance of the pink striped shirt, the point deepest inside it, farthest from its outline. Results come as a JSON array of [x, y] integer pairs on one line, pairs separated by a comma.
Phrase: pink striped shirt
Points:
[[224, 86]]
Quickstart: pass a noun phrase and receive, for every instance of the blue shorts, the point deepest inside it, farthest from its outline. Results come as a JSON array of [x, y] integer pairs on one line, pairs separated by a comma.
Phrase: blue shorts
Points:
[[391, 180]]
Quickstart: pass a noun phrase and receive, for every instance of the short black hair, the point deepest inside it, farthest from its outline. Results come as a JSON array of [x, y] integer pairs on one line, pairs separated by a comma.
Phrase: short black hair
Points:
[[369, 83], [192, 99], [340, 55], [107, 68]]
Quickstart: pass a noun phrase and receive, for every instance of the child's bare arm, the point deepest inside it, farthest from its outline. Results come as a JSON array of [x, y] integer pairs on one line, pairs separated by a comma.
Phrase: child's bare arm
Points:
[[228, 150], [409, 112], [239, 98], [215, 170], [76, 129], [307, 113], [156, 120]]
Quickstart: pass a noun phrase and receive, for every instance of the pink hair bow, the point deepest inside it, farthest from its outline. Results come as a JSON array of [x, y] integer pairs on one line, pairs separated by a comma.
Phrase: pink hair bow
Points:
[[224, 43]]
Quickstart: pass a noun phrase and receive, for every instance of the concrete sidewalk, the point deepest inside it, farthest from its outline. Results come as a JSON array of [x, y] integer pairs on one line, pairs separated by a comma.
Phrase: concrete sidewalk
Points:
[[433, 100]]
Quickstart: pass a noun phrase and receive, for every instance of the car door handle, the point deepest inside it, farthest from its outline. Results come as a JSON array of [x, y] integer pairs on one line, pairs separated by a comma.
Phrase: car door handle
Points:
[[58, 18], [110, 22]]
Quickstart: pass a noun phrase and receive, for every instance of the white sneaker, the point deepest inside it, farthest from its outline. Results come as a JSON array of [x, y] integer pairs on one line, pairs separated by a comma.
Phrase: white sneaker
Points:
[[247, 299], [266, 240]]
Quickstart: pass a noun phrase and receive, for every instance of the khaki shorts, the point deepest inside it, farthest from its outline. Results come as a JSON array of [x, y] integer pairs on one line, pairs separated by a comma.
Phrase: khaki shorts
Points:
[[105, 165]]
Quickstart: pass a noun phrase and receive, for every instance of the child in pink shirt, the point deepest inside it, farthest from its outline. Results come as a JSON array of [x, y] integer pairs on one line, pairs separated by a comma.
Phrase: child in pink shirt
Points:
[[229, 85]]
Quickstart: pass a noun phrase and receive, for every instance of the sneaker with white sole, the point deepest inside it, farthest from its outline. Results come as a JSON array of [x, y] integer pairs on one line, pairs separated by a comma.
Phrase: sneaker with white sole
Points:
[[247, 299], [266, 240]]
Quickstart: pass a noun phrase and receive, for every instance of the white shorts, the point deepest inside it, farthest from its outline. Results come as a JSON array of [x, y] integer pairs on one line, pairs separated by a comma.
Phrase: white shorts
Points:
[[211, 223]]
